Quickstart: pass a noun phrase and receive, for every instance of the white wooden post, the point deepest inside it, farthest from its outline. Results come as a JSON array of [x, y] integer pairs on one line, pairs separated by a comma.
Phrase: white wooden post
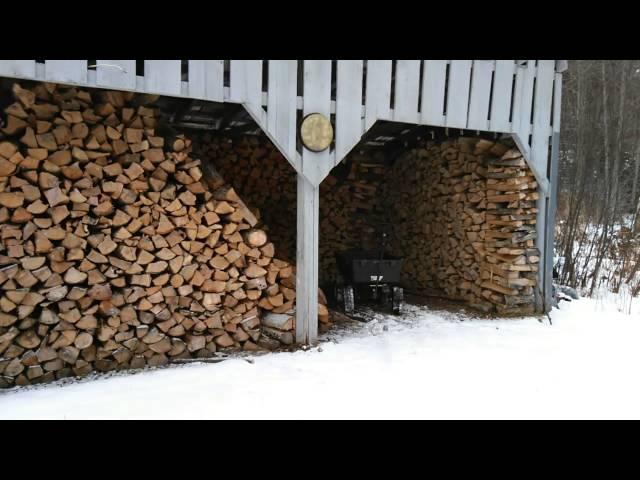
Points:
[[543, 98], [307, 261], [315, 166]]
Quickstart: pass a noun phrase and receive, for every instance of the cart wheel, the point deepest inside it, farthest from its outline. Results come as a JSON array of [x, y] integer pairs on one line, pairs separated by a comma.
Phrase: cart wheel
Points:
[[348, 299], [386, 295], [338, 294], [398, 300]]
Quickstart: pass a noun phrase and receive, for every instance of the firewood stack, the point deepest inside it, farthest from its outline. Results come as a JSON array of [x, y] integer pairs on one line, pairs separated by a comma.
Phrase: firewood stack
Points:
[[464, 215], [255, 168], [349, 199], [117, 250], [457, 241], [280, 325]]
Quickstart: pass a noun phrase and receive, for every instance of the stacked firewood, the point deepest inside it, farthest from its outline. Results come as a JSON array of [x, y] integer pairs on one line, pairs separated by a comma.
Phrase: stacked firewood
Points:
[[118, 248], [254, 167], [350, 204], [281, 326], [510, 272], [464, 218], [461, 236]]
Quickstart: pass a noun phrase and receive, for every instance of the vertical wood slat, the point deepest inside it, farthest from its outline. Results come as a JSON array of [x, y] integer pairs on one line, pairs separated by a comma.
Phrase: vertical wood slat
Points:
[[517, 98], [348, 106], [317, 99], [197, 79], [433, 88], [109, 75], [501, 98], [246, 82], [66, 71], [18, 68], [523, 112], [542, 114], [407, 91], [557, 102], [478, 118], [458, 93], [281, 104], [163, 76], [378, 91], [237, 81], [206, 79]]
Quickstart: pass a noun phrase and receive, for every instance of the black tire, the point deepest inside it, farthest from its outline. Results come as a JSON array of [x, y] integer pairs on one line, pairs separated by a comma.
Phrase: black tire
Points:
[[338, 294], [386, 296], [375, 294], [348, 300], [398, 300]]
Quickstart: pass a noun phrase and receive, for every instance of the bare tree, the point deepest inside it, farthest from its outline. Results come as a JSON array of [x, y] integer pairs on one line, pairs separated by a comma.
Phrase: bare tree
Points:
[[600, 174]]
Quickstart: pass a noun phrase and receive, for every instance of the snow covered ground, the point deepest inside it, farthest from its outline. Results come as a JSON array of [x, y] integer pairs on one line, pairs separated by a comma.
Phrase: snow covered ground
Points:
[[425, 365]]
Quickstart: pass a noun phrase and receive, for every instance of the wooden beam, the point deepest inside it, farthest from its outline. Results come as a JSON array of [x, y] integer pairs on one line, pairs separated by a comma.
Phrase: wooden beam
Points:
[[315, 166], [231, 112], [549, 226], [307, 261], [545, 274]]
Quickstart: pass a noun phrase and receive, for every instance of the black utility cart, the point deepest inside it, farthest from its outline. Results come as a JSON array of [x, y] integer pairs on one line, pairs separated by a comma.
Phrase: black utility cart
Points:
[[369, 276]]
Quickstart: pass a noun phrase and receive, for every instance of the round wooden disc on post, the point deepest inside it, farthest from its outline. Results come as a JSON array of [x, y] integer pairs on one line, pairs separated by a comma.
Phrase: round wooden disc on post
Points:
[[316, 132]]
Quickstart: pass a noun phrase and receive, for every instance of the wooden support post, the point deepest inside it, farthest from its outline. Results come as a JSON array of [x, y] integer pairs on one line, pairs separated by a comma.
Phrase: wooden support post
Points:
[[315, 166], [553, 193], [307, 262], [541, 233], [549, 227]]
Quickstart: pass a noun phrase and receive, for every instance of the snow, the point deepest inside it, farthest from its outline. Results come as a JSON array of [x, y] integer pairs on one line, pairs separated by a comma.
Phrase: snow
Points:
[[426, 364], [614, 262]]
